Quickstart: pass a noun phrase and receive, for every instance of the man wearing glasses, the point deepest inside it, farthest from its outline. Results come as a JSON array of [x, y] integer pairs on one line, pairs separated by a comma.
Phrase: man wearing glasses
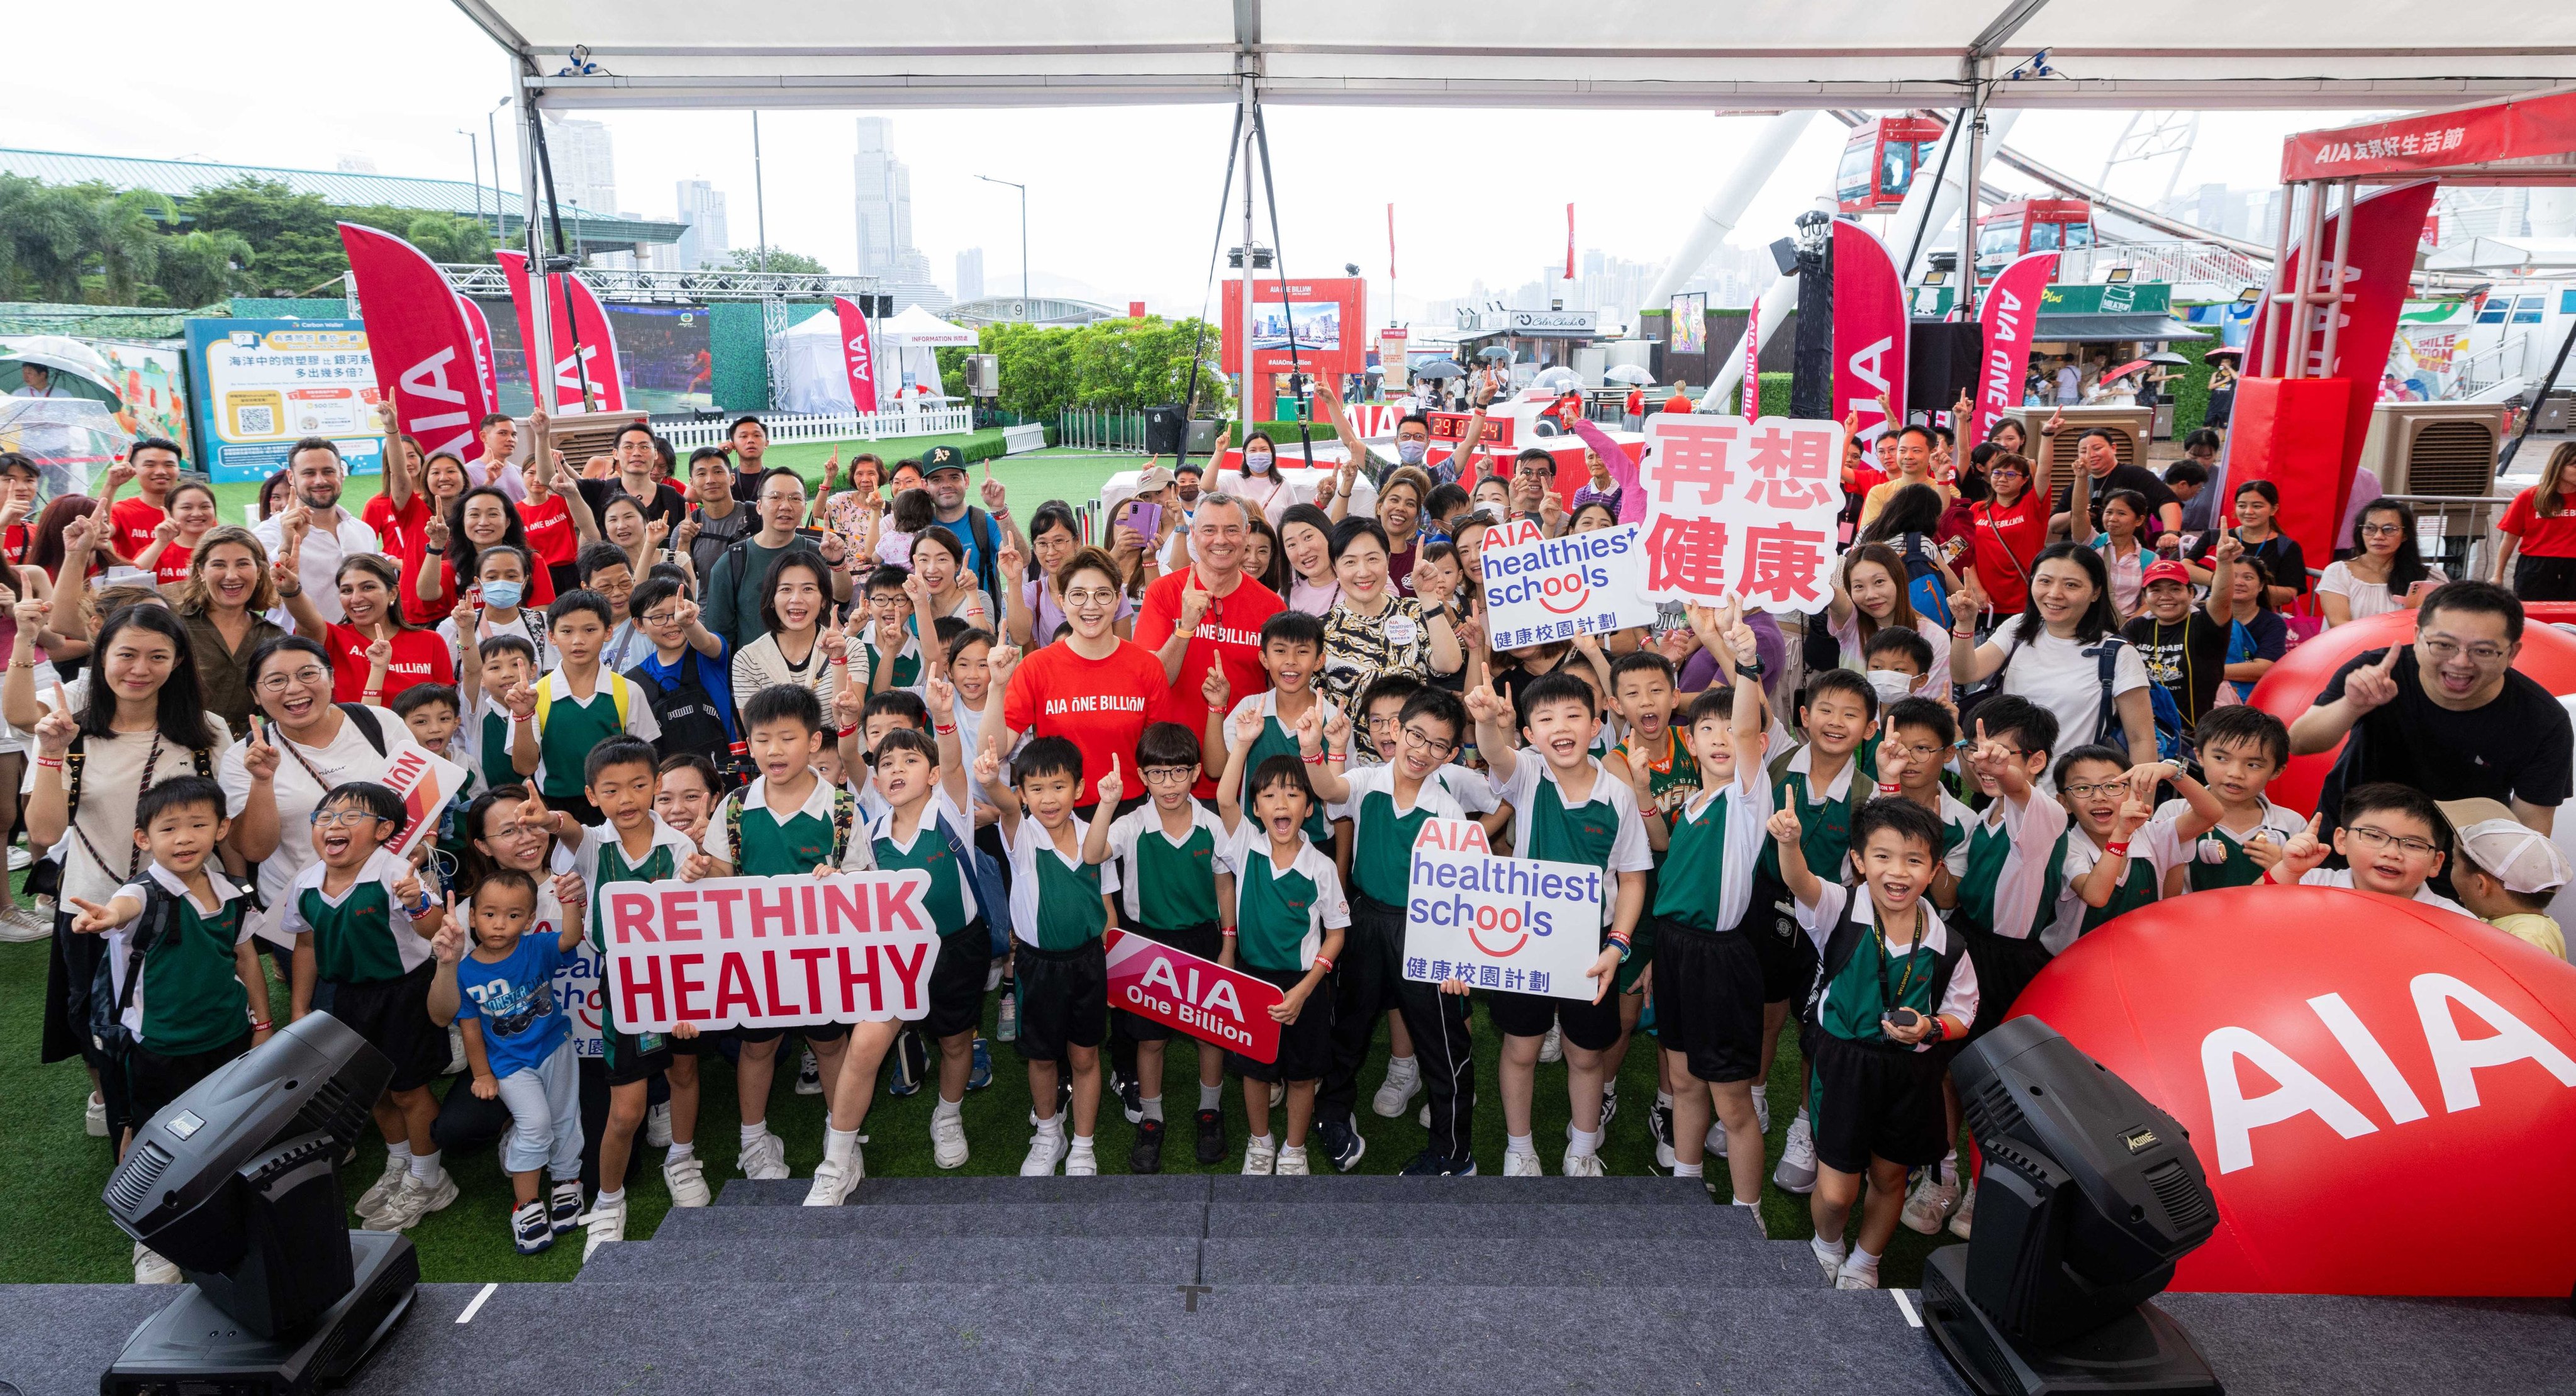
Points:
[[732, 592], [2448, 716]]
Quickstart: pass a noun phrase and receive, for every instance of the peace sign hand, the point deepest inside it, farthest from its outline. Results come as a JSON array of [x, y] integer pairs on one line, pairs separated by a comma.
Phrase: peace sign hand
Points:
[[258, 757]]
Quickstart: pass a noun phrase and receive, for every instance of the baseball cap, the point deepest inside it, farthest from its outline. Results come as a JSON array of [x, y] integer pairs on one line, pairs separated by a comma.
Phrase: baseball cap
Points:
[[2164, 570], [2514, 853], [1154, 480], [939, 458]]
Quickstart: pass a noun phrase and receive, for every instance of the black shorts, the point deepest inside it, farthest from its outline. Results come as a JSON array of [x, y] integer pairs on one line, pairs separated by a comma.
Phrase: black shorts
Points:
[[1594, 1027], [1788, 958], [153, 1080], [957, 981], [1205, 940], [1064, 999], [1305, 1046], [1876, 1099], [393, 1016], [70, 971], [628, 1058], [1708, 1000], [2005, 967]]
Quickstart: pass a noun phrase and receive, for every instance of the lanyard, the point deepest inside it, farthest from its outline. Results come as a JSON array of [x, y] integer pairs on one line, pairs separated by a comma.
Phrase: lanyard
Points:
[[1890, 999], [134, 859]]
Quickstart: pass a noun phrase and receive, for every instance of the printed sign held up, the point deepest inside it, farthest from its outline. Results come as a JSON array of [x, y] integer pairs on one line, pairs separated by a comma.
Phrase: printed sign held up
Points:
[[1516, 924], [757, 952], [1539, 589], [1739, 508], [1197, 996]]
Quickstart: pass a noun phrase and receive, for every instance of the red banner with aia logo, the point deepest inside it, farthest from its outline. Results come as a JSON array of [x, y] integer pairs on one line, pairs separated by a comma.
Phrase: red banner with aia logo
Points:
[[2009, 317], [858, 354], [585, 348], [1200, 997], [1870, 330], [422, 344]]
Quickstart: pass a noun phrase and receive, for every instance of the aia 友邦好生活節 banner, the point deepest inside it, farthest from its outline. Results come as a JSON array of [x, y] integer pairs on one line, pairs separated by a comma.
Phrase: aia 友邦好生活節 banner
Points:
[[2009, 320], [424, 351], [762, 952], [1520, 925], [1194, 995], [1743, 509]]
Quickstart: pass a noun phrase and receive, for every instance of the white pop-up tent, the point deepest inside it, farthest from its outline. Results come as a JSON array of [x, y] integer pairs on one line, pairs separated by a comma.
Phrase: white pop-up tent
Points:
[[917, 328], [813, 379]]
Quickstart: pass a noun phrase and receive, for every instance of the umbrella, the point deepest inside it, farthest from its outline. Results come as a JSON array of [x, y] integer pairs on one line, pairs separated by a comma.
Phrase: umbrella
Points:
[[77, 369], [1439, 368], [1557, 379], [2168, 358], [1629, 373], [2225, 351], [1492, 352], [2124, 370]]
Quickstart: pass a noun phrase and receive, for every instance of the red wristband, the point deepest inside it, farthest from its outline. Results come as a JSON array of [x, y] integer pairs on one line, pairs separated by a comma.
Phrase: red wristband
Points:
[[1323, 964], [850, 731], [1885, 788], [1315, 760], [935, 728], [2117, 850]]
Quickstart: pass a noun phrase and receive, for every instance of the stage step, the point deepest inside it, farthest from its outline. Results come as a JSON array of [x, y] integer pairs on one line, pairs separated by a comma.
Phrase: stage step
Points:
[[966, 1191], [1239, 1221], [1323, 1190], [1393, 1221], [1514, 1263], [888, 1219], [999, 1259]]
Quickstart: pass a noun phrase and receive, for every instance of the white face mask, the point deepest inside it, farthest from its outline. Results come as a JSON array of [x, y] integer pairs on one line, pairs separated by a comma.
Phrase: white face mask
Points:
[[1893, 684], [1256, 462], [1412, 452]]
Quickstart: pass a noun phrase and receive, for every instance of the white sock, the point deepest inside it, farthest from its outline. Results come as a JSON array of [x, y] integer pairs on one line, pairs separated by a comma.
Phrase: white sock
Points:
[[1686, 1170], [398, 1151], [1052, 1126], [1520, 1144], [425, 1166], [1584, 1141], [1950, 1168], [1153, 1108], [838, 1144], [1754, 1207], [610, 1199], [1828, 1250], [1802, 1117], [948, 1107], [1212, 1097], [680, 1149], [1663, 1100], [1264, 1141], [754, 1133], [1402, 1066], [1862, 1260], [1082, 1143]]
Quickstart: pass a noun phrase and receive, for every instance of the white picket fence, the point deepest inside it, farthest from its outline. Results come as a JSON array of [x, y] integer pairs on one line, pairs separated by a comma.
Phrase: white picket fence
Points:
[[786, 427]]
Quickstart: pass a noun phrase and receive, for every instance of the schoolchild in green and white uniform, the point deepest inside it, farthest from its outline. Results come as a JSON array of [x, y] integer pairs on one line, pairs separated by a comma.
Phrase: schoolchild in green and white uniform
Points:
[[2008, 892], [2241, 750], [502, 663], [1176, 888], [2105, 867], [578, 706], [1292, 650]]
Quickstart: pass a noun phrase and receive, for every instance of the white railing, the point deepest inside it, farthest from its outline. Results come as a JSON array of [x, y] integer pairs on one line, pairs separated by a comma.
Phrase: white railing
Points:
[[2481, 369], [2176, 261], [784, 427]]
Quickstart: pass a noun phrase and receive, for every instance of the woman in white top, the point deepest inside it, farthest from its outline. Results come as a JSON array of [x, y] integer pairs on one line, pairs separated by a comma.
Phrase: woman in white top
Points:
[[2052, 653], [940, 562], [140, 722], [800, 642], [1870, 595], [1261, 486], [2385, 573], [1306, 540], [1054, 539]]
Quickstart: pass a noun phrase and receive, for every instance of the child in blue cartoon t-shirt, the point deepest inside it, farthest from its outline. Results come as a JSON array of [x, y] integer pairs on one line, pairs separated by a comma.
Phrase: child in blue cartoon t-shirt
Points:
[[518, 1041]]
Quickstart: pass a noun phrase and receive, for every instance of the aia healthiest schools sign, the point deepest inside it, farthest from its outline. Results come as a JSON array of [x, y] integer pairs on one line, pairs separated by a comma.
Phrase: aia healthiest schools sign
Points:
[[1520, 925], [761, 952]]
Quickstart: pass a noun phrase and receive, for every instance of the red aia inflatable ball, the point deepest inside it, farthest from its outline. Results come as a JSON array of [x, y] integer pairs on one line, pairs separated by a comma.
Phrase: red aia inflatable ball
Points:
[[2383, 1094], [2291, 688]]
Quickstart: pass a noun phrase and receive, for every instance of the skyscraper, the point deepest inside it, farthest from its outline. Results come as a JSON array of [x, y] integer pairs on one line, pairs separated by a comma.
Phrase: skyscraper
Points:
[[584, 163], [970, 274], [702, 207], [886, 252]]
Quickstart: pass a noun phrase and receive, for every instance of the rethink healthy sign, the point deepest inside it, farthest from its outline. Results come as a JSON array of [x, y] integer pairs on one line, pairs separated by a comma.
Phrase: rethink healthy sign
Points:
[[762, 952]]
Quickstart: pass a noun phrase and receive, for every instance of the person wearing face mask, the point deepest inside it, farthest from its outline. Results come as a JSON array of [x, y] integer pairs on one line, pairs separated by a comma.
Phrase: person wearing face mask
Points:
[[1261, 486], [1412, 446]]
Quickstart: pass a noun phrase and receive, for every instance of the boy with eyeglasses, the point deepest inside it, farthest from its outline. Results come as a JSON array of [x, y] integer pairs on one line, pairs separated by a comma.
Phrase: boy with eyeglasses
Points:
[[2394, 838], [1175, 889]]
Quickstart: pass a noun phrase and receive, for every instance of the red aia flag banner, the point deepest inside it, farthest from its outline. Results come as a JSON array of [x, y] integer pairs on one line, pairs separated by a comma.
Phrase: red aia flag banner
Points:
[[2379, 260], [478, 331], [765, 952], [421, 343], [2009, 317], [593, 359], [1200, 997], [1751, 396], [2520, 129], [1741, 508], [858, 354], [1870, 329]]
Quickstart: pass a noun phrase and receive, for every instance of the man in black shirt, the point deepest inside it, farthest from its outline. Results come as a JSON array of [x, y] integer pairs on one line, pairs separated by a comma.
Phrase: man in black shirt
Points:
[[2449, 715], [2096, 452], [2184, 649], [635, 457]]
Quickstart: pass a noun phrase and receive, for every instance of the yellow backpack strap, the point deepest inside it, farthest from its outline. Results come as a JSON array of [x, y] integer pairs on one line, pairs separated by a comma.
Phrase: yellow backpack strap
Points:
[[545, 700], [620, 694]]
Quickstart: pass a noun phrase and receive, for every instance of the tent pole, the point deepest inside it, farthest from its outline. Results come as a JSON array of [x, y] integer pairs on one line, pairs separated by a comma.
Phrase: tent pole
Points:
[[1246, 288], [541, 346]]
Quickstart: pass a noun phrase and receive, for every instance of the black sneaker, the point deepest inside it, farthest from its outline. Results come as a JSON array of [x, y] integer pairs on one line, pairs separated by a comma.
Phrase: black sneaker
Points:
[[1147, 1155], [1343, 1145], [911, 1064], [1131, 1098], [1659, 1123], [1211, 1136], [563, 1206], [1430, 1165]]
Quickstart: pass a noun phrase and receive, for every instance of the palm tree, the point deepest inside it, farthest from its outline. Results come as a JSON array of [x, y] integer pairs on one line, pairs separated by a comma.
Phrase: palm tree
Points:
[[128, 232], [199, 268]]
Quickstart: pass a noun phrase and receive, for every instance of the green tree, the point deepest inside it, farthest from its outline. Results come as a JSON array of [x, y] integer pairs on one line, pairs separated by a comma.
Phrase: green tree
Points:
[[779, 259], [199, 268], [1119, 365], [294, 238], [129, 241]]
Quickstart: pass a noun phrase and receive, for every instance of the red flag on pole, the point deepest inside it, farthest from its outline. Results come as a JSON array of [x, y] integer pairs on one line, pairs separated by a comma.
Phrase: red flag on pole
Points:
[[1569, 242], [1390, 242], [1752, 396], [420, 342], [858, 354], [2010, 315], [1870, 334], [590, 326], [479, 332]]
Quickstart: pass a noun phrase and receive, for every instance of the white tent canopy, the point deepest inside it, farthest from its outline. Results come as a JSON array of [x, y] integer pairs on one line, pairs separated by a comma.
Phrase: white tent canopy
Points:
[[918, 328], [813, 378], [1514, 53]]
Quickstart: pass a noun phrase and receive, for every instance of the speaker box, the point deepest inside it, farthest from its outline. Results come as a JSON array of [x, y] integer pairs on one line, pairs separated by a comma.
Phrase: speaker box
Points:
[[1941, 363], [1164, 425]]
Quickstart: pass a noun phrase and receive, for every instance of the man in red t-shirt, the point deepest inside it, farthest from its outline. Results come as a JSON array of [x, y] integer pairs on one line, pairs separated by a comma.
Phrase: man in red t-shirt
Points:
[[153, 466], [1209, 612]]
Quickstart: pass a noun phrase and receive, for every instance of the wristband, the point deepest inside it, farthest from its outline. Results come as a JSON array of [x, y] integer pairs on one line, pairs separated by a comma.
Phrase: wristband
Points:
[[428, 549], [1624, 946], [262, 1025], [1750, 671], [50, 763], [850, 731], [1884, 788], [1227, 932], [2117, 850], [1323, 963], [1940, 1030], [841, 659], [936, 729], [1315, 760]]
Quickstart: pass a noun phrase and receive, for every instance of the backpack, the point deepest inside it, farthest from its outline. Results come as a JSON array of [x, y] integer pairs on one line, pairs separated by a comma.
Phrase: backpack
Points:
[[687, 712], [2106, 722], [620, 693], [204, 761], [986, 879], [1844, 942], [845, 817], [984, 543], [106, 1004], [1923, 587]]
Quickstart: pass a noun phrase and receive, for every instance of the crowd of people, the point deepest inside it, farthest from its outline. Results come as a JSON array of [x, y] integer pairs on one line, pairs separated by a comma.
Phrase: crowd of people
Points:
[[1219, 725]]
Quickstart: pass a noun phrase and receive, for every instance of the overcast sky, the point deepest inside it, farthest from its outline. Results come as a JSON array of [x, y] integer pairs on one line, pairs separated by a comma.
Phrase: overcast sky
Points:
[[1121, 200]]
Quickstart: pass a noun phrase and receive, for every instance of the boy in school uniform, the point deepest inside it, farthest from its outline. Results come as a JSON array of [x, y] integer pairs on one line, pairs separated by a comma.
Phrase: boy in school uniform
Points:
[[361, 924], [518, 1045], [2241, 749], [189, 992], [1893, 984], [620, 777], [576, 708], [2106, 870], [1917, 737], [2393, 840], [1655, 759], [680, 670], [1825, 779], [1708, 983], [1387, 805], [1059, 909], [1287, 925], [487, 686], [1292, 650], [1566, 809], [787, 823], [1175, 889], [894, 648], [2507, 872]]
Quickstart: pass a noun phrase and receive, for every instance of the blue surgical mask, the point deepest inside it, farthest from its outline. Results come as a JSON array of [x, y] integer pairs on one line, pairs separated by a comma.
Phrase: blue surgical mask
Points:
[[503, 596], [1412, 452]]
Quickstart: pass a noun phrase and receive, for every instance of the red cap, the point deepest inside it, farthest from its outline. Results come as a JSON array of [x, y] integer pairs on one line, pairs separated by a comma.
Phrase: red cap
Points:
[[2165, 570]]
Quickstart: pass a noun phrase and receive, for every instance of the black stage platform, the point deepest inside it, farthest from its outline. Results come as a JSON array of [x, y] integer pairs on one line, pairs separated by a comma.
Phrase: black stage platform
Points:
[[1483, 1287]]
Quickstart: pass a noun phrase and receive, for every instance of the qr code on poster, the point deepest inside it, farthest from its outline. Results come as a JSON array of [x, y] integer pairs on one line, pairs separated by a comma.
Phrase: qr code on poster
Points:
[[256, 421]]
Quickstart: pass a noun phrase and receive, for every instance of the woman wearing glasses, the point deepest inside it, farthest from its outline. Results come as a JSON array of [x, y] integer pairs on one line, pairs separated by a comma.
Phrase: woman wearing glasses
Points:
[[2384, 573]]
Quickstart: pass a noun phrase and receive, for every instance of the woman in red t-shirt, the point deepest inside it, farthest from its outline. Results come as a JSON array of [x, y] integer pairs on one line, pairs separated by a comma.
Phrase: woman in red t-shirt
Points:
[[190, 515], [406, 535], [1094, 689], [2541, 525], [2008, 529], [553, 536], [367, 582]]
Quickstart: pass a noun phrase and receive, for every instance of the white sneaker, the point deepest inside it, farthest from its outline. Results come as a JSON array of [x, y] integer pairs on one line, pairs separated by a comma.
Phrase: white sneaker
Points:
[[1715, 1144], [20, 859], [1422, 1116], [1830, 1261], [1292, 1162], [1520, 1165], [765, 1160], [1260, 1160], [412, 1201], [153, 1268], [1045, 1152], [1762, 1114], [687, 1180], [1797, 1170], [22, 924], [1403, 1082], [1081, 1161], [657, 1126], [1551, 1048], [1856, 1275], [1583, 1165], [606, 1222], [948, 1139], [1278, 1093], [1931, 1202], [456, 1062], [832, 1181], [374, 1198], [1962, 1220], [95, 1119]]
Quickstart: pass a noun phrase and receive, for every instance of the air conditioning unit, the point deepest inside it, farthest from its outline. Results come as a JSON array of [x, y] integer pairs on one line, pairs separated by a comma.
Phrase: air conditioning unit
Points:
[[983, 375], [2127, 425], [2436, 450]]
